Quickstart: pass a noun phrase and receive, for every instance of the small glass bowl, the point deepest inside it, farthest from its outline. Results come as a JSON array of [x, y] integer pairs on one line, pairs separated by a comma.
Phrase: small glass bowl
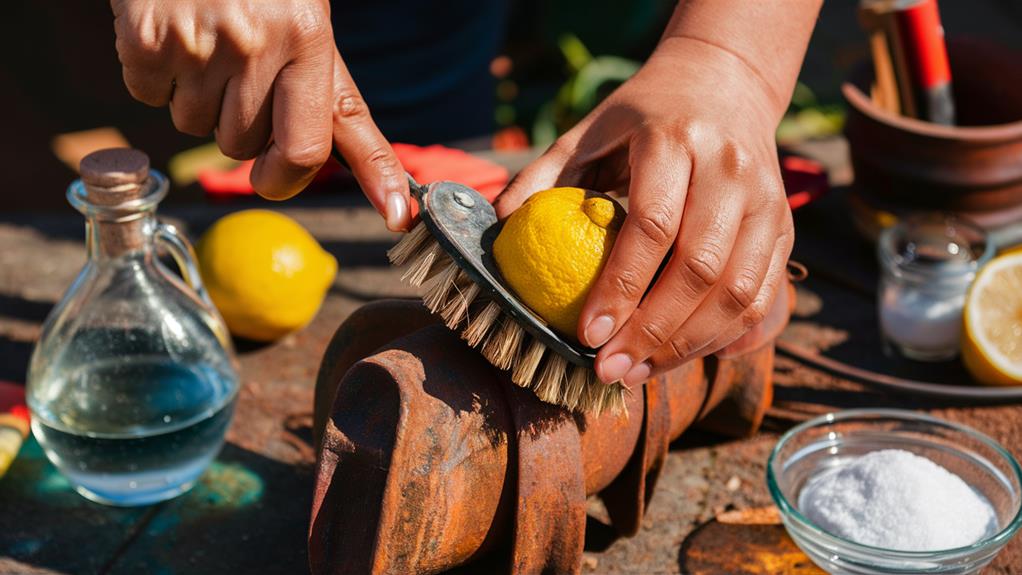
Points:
[[826, 441]]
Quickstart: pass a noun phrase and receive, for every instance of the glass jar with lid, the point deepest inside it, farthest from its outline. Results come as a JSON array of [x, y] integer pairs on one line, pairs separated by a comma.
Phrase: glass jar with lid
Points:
[[927, 263]]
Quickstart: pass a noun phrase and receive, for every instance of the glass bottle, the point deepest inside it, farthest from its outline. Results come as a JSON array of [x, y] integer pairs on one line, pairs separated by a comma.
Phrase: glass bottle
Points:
[[133, 381], [927, 263]]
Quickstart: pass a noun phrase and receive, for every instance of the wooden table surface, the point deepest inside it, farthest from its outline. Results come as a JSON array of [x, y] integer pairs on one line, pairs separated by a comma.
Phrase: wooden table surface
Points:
[[249, 512]]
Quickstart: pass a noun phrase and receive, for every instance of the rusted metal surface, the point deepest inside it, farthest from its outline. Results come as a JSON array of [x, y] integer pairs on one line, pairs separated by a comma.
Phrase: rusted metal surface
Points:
[[416, 432], [748, 548], [431, 458], [549, 487], [367, 329]]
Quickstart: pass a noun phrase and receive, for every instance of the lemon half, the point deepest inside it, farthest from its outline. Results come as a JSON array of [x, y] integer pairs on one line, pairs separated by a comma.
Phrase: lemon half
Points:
[[992, 342]]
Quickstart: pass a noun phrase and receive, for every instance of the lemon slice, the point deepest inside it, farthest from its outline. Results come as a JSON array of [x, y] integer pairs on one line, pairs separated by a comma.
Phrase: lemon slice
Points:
[[992, 342]]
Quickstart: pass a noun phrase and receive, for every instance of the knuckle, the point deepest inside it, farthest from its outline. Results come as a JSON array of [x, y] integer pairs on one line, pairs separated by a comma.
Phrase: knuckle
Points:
[[192, 129], [349, 105], [741, 293], [785, 238], [654, 332], [736, 161], [306, 156], [655, 224], [191, 123], [690, 134], [703, 267], [309, 23], [626, 282], [125, 47], [680, 347], [384, 161], [236, 148], [754, 314], [142, 91]]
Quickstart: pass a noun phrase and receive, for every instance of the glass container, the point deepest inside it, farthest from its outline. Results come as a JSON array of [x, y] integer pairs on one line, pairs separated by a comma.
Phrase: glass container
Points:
[[829, 441], [927, 263], [133, 381]]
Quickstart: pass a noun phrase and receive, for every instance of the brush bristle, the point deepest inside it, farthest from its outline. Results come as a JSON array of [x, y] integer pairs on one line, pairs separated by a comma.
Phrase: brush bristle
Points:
[[456, 309], [550, 384], [440, 286], [501, 349], [578, 379], [527, 363], [410, 245], [480, 325], [451, 293], [421, 264]]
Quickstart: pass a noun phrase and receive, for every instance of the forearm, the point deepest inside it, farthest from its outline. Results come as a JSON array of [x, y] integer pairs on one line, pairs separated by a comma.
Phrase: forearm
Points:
[[768, 37]]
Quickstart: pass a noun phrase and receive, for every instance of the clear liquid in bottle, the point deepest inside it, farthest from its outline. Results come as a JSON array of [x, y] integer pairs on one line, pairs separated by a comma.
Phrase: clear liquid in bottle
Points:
[[133, 382]]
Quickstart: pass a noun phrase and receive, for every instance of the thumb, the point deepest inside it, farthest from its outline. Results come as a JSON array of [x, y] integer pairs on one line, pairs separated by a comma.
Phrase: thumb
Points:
[[373, 161]]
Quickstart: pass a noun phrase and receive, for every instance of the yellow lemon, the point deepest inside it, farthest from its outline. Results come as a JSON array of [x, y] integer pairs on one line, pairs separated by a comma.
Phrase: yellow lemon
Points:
[[266, 274], [552, 248], [992, 339]]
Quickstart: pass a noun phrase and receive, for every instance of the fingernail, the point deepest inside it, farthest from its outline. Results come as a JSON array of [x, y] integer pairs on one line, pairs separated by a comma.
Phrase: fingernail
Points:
[[638, 374], [397, 210], [598, 331], [615, 367]]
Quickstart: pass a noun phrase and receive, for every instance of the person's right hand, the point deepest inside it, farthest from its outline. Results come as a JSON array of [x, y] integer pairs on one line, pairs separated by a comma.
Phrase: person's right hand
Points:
[[266, 77]]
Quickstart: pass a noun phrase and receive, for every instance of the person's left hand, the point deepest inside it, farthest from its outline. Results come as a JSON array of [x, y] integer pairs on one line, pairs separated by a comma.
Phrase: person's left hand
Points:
[[690, 140]]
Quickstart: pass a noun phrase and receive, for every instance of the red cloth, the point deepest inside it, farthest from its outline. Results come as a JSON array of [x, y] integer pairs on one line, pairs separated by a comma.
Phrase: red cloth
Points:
[[425, 164], [804, 179]]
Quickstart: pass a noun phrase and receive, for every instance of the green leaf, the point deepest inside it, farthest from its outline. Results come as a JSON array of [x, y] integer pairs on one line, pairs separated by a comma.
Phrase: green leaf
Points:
[[585, 90], [575, 52]]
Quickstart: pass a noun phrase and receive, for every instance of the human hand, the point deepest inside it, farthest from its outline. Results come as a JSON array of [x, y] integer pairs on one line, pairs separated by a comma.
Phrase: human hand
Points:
[[266, 77], [690, 140]]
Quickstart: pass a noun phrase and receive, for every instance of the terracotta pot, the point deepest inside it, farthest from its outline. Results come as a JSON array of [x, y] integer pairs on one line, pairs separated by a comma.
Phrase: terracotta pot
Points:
[[974, 168]]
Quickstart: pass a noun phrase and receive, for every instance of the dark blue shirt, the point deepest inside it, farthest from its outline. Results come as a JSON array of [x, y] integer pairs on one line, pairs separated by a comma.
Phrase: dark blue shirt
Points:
[[423, 65]]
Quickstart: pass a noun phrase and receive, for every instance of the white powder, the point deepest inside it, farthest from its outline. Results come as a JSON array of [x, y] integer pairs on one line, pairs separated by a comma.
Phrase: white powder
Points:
[[897, 500]]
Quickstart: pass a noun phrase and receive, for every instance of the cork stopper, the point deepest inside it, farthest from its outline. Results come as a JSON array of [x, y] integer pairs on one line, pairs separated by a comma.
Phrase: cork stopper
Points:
[[114, 175]]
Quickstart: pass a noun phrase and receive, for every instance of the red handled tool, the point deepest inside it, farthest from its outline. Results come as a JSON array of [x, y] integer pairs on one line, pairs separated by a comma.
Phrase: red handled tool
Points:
[[922, 40]]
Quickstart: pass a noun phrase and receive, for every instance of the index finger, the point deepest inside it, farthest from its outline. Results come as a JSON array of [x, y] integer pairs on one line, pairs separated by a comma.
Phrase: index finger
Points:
[[372, 159], [657, 189]]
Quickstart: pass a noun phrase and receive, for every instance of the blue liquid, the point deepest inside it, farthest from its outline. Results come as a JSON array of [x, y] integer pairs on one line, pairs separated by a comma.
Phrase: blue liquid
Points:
[[136, 432]]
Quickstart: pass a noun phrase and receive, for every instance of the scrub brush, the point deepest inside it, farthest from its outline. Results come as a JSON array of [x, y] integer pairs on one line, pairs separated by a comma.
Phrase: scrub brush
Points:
[[449, 252]]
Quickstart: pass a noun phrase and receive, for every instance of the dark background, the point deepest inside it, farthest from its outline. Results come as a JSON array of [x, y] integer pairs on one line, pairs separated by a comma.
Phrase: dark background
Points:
[[59, 72]]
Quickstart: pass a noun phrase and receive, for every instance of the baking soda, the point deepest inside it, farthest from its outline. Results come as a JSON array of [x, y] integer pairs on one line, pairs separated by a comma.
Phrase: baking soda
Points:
[[895, 499]]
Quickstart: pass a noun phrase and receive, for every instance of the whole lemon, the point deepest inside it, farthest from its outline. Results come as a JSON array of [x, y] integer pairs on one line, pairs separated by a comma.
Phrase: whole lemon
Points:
[[553, 247], [266, 274]]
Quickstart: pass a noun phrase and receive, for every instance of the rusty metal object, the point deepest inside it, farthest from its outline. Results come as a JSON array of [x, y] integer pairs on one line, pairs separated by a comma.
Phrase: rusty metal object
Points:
[[413, 463], [745, 542], [366, 330], [431, 458], [742, 374], [904, 164]]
